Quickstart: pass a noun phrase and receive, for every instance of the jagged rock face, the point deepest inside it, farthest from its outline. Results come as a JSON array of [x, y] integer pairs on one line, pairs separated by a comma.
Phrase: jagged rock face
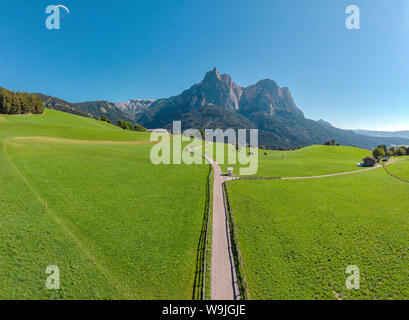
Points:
[[215, 89], [220, 90], [267, 97], [135, 106]]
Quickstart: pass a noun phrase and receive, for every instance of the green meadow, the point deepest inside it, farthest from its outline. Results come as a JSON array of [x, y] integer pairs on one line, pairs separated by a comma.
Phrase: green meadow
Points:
[[297, 237], [401, 169], [83, 195], [309, 161]]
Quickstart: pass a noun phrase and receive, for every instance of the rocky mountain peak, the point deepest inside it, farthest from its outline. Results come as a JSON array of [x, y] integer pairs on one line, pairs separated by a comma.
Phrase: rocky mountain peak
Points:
[[267, 97], [214, 76], [219, 89]]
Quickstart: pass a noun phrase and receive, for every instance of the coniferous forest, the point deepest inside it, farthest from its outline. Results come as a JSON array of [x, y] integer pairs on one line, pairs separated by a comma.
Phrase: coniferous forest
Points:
[[20, 103]]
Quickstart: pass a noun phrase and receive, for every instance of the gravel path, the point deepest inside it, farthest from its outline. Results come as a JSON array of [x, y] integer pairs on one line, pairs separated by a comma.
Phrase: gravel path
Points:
[[334, 174], [310, 177], [223, 271], [223, 284]]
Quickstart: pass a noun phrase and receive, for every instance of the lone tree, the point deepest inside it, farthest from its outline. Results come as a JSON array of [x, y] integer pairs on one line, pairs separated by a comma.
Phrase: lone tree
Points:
[[383, 147], [104, 118], [331, 143], [378, 153]]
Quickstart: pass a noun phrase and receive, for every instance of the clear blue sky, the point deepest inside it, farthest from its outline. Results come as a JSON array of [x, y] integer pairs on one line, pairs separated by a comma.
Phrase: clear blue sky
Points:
[[117, 50]]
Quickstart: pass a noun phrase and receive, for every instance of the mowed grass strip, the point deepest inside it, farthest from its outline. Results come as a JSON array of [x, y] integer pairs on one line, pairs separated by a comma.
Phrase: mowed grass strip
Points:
[[297, 237], [117, 226]]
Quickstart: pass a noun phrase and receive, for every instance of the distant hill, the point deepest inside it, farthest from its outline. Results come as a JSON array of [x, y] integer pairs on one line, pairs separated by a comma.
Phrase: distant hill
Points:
[[61, 105], [103, 108], [93, 109], [207, 116], [389, 134], [135, 106]]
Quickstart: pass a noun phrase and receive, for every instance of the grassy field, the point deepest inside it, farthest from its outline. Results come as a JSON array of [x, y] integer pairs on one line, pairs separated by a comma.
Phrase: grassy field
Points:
[[309, 161], [297, 237], [83, 195], [401, 169]]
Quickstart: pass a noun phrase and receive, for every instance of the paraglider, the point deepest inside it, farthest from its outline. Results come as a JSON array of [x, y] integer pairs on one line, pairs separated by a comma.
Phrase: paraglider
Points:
[[55, 16], [65, 8]]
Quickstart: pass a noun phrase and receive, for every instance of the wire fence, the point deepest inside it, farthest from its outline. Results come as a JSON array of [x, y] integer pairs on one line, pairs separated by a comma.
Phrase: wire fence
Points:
[[256, 178], [241, 278], [199, 286]]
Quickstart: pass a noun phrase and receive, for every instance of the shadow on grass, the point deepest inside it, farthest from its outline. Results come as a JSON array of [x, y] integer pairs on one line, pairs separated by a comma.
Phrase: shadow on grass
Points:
[[200, 281]]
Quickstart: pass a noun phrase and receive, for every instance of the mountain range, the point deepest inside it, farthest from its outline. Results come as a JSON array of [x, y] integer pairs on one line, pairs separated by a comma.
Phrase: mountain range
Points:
[[93, 109], [218, 102], [390, 134]]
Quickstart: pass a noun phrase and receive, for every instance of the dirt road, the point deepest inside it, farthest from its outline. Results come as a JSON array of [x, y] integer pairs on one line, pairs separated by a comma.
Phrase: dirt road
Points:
[[223, 272], [223, 284]]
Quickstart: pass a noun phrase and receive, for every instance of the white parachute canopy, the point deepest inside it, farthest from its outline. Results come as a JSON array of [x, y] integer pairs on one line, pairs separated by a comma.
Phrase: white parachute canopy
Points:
[[63, 13], [64, 7]]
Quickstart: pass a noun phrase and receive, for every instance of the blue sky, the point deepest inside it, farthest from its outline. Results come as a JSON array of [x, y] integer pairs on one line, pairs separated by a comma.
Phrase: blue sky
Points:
[[117, 50]]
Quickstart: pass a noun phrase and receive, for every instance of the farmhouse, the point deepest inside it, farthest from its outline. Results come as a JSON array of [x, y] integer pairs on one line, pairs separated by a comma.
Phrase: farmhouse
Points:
[[369, 161]]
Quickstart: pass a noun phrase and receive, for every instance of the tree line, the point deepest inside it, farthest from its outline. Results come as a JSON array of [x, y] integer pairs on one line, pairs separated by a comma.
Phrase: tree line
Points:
[[382, 151], [126, 125], [19, 102], [331, 143]]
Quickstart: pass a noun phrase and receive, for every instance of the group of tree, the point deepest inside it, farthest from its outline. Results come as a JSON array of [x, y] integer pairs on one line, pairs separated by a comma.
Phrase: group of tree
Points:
[[20, 103], [331, 143], [105, 119], [398, 151], [128, 125], [382, 151]]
